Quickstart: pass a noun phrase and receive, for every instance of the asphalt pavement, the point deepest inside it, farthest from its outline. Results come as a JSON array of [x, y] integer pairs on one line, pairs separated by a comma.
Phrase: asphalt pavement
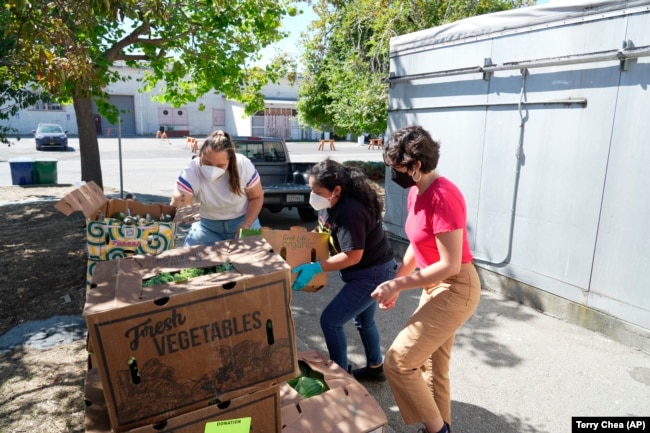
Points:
[[513, 370], [149, 165]]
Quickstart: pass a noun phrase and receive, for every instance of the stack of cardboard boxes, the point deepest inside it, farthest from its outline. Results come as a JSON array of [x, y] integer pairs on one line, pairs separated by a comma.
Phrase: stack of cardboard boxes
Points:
[[203, 354], [174, 356]]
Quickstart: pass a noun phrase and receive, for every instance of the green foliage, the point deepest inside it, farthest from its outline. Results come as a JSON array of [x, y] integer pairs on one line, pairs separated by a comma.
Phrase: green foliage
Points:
[[67, 47], [15, 95], [346, 56]]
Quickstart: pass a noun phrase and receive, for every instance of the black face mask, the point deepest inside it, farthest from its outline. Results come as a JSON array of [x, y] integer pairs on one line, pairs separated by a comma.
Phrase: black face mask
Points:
[[403, 179]]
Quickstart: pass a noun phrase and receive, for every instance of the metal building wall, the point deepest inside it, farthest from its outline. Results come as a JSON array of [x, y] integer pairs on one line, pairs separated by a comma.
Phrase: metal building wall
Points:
[[550, 159]]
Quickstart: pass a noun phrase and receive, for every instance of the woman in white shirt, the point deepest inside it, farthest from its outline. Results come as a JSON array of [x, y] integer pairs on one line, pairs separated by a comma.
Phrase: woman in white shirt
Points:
[[228, 188]]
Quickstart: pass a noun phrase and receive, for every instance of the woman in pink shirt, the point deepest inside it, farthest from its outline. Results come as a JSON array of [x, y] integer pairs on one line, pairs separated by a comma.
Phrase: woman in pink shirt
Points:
[[438, 259]]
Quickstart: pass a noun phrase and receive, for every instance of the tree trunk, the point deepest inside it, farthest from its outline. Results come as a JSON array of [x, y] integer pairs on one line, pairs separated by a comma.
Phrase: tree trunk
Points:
[[91, 167]]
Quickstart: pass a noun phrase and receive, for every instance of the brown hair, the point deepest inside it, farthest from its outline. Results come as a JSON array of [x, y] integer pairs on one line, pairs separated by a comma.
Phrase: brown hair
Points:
[[409, 144], [220, 141]]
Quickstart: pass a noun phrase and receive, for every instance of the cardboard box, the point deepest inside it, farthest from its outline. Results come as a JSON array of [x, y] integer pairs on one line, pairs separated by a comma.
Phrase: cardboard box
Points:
[[263, 407], [109, 238], [170, 349], [96, 415], [298, 246], [346, 407]]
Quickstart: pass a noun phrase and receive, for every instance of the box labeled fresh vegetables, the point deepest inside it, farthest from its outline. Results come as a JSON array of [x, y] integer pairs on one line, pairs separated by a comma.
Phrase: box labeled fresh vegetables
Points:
[[263, 407], [171, 347]]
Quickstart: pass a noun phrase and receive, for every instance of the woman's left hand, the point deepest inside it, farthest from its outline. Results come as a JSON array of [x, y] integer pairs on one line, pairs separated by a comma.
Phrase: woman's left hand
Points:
[[306, 273], [243, 226], [386, 295]]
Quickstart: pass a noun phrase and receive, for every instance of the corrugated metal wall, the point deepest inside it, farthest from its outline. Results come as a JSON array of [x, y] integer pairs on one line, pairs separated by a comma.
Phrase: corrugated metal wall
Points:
[[552, 159]]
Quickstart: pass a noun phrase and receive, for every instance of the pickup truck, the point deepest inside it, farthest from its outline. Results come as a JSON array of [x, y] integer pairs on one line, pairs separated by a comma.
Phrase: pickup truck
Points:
[[285, 183]]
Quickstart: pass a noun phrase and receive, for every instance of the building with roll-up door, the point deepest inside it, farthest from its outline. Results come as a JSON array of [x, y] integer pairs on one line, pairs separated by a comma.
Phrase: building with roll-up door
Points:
[[141, 116]]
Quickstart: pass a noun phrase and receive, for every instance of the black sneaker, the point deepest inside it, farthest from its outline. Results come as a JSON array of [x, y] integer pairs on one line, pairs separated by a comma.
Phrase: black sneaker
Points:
[[369, 374]]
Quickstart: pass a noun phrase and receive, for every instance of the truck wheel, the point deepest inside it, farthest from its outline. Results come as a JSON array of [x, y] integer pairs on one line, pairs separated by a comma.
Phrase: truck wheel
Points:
[[307, 214]]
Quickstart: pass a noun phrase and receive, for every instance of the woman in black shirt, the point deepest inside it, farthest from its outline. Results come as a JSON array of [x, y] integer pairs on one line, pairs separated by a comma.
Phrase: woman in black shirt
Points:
[[349, 211]]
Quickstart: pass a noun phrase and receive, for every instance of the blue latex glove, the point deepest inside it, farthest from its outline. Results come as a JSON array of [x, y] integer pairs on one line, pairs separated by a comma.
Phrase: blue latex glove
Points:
[[306, 273]]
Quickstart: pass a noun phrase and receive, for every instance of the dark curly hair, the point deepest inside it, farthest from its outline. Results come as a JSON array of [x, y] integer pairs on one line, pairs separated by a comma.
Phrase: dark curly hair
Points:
[[353, 182], [410, 144]]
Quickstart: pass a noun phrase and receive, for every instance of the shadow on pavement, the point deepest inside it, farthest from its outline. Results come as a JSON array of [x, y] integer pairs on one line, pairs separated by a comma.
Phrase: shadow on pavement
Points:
[[471, 418]]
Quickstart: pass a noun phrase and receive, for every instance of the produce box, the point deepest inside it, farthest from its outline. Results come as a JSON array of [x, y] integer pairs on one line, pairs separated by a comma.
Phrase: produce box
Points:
[[297, 246], [169, 349], [344, 407], [263, 407], [152, 228], [110, 238]]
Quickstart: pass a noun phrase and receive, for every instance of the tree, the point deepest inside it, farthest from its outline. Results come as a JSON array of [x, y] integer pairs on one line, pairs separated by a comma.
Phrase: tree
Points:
[[14, 93], [67, 48], [346, 56]]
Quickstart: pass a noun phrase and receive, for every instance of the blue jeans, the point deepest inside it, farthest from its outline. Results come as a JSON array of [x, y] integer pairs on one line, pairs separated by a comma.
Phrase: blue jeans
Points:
[[207, 232], [353, 302]]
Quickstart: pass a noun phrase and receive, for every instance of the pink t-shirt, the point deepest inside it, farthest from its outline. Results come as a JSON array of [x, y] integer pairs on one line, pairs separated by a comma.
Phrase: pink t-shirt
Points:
[[441, 208]]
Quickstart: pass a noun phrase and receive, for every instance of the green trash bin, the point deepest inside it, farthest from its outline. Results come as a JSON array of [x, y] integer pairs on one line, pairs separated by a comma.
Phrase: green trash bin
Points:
[[22, 171], [45, 171]]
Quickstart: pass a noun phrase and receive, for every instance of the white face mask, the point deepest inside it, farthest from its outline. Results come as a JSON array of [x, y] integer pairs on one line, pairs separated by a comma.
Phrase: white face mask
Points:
[[318, 202], [212, 173]]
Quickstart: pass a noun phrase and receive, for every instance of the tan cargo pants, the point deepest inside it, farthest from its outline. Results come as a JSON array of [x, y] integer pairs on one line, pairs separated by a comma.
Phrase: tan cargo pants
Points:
[[417, 363]]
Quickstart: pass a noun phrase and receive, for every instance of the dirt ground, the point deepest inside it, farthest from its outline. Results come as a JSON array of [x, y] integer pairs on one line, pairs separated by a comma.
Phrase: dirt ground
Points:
[[42, 256], [43, 263], [43, 269]]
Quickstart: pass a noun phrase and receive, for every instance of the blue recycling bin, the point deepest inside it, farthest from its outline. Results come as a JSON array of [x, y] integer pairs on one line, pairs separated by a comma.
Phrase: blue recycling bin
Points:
[[22, 171]]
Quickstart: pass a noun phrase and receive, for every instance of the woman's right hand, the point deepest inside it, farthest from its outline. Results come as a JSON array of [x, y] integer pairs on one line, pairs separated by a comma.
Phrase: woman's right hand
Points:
[[180, 199]]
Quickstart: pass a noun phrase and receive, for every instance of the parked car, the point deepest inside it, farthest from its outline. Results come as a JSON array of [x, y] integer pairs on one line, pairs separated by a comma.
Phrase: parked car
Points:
[[50, 135]]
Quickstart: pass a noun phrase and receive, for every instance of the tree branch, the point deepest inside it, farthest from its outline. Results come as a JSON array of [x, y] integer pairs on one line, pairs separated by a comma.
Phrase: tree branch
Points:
[[130, 39]]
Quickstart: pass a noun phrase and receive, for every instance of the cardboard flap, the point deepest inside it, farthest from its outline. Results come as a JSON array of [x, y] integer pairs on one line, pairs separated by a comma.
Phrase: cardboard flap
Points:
[[186, 214], [96, 420], [249, 256], [346, 407], [115, 283], [87, 199], [297, 246], [254, 254]]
